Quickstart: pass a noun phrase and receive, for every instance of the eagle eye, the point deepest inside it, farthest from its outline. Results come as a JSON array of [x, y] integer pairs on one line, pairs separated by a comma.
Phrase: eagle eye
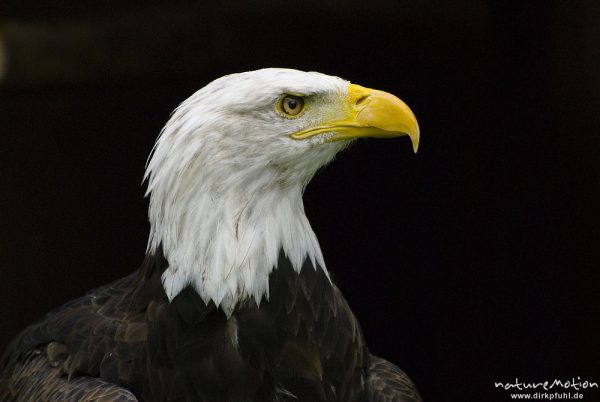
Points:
[[291, 105]]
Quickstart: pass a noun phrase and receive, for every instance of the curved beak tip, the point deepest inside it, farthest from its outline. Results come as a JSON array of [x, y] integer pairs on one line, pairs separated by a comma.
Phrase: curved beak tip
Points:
[[415, 147], [388, 113], [414, 138]]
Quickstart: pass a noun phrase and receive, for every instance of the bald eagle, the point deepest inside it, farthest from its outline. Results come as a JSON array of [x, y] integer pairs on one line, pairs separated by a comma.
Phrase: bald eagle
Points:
[[233, 301]]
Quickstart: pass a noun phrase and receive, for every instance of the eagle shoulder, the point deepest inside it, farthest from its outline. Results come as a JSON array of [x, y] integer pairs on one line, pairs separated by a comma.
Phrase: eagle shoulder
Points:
[[387, 383], [89, 344], [35, 378]]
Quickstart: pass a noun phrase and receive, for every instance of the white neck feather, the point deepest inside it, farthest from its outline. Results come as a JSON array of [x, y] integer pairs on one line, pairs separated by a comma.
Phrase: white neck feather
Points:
[[226, 246]]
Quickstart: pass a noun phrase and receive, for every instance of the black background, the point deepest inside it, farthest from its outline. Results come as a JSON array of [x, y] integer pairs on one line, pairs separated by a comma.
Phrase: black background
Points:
[[473, 261]]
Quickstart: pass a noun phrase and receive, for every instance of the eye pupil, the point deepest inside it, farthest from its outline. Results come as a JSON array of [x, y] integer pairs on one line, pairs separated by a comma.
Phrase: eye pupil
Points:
[[291, 105]]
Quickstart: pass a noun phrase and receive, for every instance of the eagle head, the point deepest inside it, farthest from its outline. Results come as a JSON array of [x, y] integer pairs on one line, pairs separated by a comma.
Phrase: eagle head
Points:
[[227, 173]]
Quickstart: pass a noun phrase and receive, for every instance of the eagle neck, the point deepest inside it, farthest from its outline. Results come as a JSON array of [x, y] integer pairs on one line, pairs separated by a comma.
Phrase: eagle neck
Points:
[[226, 242]]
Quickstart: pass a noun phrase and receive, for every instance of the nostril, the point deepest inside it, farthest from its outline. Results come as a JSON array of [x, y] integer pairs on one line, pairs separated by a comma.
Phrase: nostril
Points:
[[360, 101]]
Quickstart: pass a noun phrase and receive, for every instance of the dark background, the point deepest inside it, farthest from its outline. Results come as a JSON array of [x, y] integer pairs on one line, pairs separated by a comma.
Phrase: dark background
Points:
[[473, 261]]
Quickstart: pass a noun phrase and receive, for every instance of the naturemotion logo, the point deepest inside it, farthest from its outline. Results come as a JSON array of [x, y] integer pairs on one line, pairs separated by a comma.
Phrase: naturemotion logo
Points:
[[535, 390]]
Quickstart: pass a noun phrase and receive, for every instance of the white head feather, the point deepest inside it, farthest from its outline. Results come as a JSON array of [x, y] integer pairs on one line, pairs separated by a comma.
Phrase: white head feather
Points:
[[226, 181]]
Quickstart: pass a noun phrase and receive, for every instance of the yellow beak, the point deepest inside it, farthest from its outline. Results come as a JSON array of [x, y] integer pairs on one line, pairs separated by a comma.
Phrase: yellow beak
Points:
[[370, 113]]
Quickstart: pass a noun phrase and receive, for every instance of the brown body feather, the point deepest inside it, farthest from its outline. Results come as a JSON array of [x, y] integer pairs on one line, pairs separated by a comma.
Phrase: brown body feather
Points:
[[126, 341]]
